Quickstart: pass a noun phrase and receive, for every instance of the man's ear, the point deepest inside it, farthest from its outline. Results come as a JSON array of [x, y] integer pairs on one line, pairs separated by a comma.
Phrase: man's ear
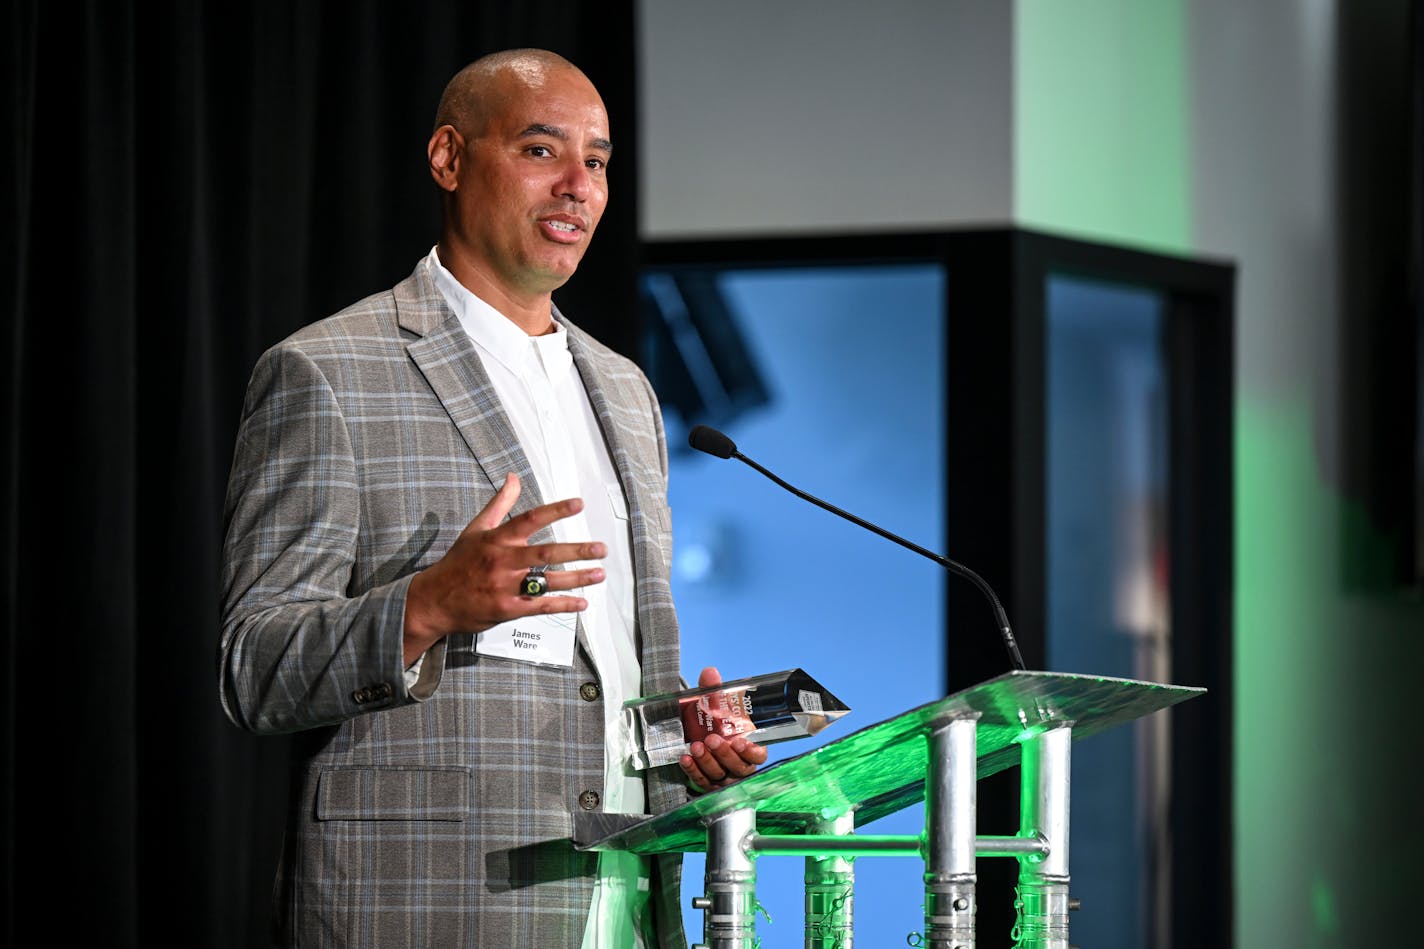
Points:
[[444, 151]]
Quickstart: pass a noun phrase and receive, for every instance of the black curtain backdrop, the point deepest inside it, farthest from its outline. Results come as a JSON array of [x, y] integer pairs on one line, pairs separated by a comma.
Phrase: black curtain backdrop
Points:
[[187, 183]]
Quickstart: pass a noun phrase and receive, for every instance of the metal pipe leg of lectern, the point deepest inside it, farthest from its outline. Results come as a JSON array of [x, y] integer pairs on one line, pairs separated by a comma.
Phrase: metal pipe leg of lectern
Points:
[[830, 889], [950, 828], [1043, 811], [729, 901]]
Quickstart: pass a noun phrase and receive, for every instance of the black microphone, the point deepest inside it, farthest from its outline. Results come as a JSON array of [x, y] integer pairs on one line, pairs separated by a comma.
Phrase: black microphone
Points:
[[713, 442]]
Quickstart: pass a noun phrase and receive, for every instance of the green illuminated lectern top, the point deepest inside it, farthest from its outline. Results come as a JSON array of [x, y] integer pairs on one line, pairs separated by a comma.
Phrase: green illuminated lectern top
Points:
[[882, 768]]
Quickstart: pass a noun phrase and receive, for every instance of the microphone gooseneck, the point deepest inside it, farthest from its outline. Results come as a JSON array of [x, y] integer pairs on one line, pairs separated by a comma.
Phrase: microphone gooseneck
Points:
[[709, 440]]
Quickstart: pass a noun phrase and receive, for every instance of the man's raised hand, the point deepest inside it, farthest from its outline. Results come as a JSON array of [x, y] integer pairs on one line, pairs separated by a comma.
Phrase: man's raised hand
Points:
[[476, 584]]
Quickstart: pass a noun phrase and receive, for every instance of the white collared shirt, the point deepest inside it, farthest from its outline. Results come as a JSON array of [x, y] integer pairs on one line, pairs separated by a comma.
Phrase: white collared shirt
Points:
[[543, 395]]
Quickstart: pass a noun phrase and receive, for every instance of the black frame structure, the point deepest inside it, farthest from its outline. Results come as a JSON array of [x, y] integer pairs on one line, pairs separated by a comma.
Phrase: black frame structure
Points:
[[995, 299]]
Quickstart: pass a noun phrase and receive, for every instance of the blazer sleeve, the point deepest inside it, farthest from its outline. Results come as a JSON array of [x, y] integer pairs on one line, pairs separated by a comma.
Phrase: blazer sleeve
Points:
[[298, 649]]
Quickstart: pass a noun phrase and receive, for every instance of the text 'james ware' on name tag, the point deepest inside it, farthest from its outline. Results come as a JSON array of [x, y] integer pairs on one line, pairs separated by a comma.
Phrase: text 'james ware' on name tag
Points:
[[547, 639]]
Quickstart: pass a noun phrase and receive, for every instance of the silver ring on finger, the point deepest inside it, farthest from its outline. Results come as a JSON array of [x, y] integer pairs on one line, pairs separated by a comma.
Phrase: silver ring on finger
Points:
[[534, 582]]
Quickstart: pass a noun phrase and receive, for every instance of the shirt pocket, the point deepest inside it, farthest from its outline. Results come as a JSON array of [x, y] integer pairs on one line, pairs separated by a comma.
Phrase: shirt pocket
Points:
[[616, 502]]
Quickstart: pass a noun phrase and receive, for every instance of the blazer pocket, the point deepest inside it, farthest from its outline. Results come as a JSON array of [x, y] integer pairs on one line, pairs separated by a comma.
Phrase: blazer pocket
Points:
[[393, 792]]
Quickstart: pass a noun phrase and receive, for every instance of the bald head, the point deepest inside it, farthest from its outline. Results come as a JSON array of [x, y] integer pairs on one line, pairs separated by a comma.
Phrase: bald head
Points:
[[520, 153], [483, 87]]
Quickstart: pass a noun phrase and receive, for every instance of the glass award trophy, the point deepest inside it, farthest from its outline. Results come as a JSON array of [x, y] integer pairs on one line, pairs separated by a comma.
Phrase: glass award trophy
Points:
[[766, 708]]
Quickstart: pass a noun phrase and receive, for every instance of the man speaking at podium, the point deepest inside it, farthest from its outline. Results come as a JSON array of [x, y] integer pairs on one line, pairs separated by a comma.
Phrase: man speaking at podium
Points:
[[409, 578]]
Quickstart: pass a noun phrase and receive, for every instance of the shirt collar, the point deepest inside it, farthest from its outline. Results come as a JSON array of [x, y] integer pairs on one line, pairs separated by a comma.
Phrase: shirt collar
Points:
[[495, 333]]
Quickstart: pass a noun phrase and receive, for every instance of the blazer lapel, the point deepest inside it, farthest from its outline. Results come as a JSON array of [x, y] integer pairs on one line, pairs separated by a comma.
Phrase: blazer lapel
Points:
[[597, 388], [446, 356], [603, 395]]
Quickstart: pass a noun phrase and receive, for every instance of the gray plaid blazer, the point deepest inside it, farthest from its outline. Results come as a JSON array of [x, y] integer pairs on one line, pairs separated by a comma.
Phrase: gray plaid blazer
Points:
[[437, 815]]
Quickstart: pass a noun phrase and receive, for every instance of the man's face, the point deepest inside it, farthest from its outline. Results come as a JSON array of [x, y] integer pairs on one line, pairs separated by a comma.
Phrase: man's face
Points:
[[532, 183]]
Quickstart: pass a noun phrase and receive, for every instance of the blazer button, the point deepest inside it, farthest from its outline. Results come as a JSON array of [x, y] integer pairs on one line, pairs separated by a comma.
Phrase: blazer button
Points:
[[588, 800], [384, 690], [590, 691], [362, 696]]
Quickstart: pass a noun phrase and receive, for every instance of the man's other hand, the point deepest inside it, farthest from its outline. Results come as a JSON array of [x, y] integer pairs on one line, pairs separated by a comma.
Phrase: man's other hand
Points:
[[716, 761]]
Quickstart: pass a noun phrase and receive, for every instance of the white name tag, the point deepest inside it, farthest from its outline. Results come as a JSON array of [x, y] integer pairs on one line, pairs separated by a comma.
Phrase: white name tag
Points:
[[547, 639]]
